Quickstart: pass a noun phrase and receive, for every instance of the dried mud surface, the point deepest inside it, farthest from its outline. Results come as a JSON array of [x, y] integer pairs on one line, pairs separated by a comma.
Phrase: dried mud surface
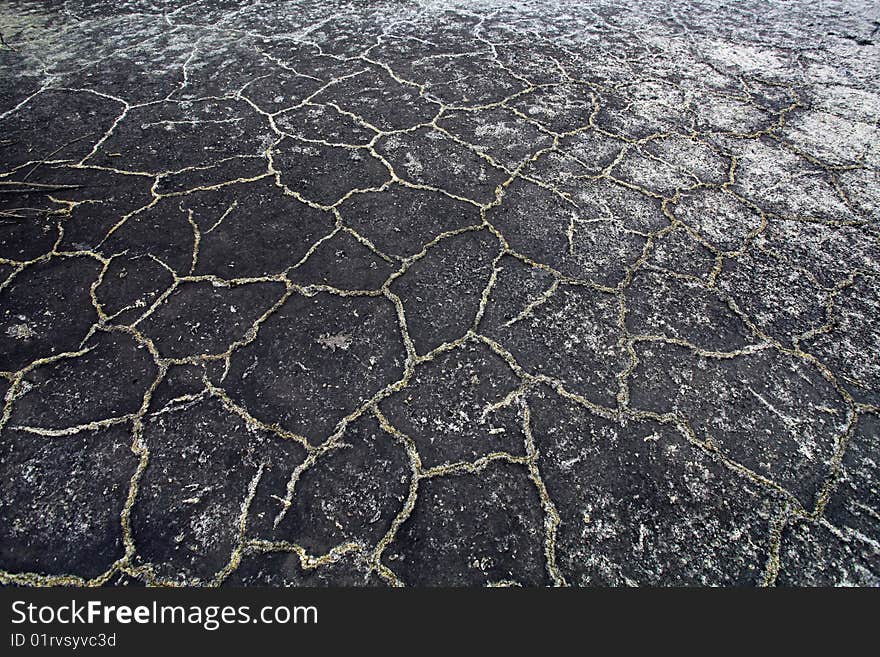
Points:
[[520, 293]]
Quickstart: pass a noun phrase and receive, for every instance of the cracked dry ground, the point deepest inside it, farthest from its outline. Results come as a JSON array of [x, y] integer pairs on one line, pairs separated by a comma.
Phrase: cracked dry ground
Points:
[[437, 294]]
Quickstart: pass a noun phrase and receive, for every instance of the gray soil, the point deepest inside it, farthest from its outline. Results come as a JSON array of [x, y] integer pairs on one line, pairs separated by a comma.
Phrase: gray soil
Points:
[[440, 293]]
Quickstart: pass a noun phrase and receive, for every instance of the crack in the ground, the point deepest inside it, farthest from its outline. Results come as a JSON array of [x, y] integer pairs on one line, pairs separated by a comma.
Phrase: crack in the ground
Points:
[[540, 284]]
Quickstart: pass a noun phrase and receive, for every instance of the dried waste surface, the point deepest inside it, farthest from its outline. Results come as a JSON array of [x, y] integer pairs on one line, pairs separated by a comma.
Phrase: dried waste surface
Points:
[[437, 293]]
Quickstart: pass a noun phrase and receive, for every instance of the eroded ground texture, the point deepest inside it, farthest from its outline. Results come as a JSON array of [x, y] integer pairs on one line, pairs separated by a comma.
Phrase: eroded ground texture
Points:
[[318, 293]]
